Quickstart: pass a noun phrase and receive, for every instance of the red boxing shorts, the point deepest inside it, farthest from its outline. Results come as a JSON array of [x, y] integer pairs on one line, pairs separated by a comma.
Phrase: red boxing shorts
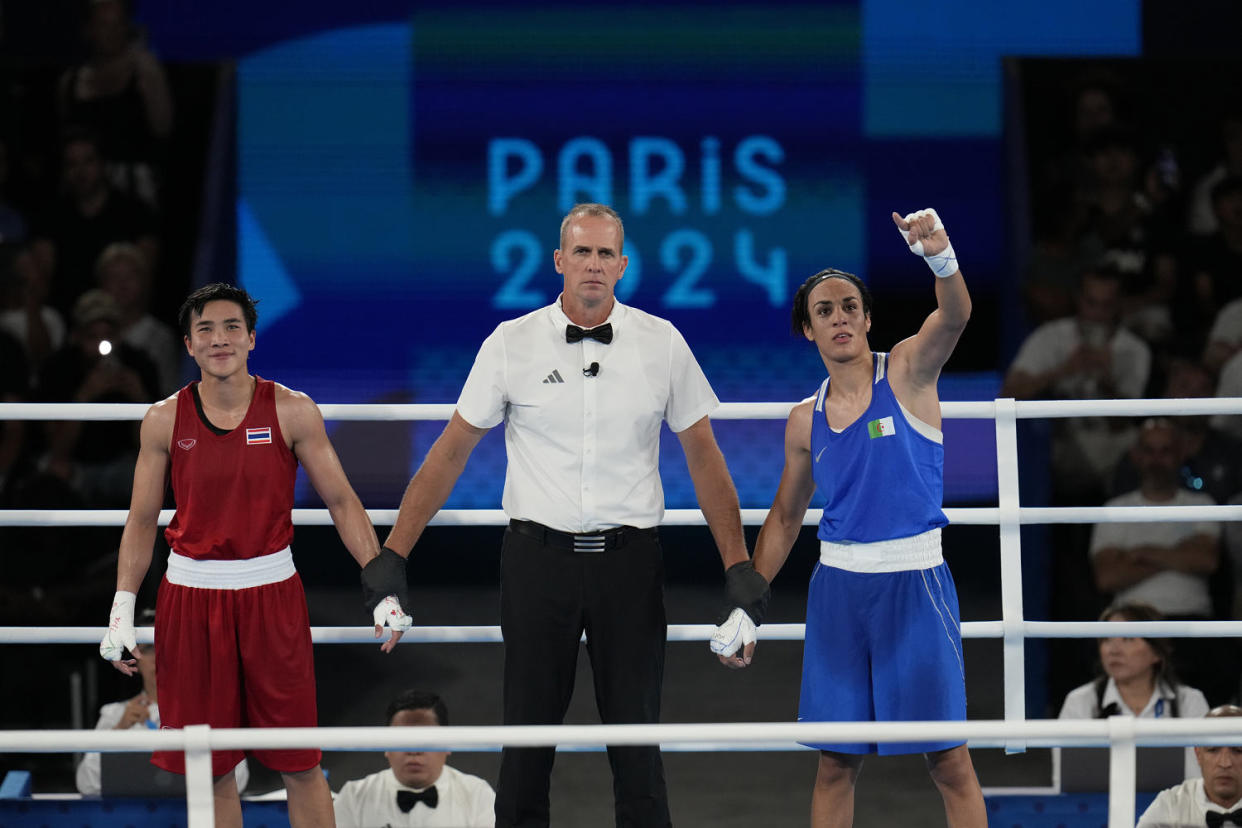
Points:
[[236, 658]]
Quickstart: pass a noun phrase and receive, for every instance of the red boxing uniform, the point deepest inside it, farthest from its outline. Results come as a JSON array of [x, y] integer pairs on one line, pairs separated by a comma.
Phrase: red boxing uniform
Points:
[[231, 619]]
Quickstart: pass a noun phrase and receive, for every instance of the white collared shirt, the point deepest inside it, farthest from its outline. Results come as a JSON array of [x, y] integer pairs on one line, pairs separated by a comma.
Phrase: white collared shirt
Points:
[[1191, 704], [1182, 806], [584, 451], [465, 801]]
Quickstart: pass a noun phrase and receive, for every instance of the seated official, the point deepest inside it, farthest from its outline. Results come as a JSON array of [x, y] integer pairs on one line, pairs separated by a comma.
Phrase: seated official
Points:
[[1136, 679], [138, 713], [1215, 800], [418, 790]]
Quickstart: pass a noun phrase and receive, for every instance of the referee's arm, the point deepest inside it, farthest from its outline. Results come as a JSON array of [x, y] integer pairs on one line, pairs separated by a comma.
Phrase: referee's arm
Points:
[[713, 487], [433, 482]]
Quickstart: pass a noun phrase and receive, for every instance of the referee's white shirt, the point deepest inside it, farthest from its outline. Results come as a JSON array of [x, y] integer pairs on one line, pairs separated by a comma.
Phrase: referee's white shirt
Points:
[[583, 450], [1182, 806]]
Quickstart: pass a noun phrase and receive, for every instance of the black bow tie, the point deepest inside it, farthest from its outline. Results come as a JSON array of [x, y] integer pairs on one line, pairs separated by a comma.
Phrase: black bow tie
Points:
[[601, 333], [408, 799], [1215, 819]]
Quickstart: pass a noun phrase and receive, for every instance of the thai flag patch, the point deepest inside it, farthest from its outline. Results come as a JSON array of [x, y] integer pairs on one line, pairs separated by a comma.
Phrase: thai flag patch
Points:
[[259, 436]]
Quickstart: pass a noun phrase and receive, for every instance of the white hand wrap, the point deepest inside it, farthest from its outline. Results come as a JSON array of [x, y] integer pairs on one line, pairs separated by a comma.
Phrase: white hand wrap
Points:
[[944, 263], [736, 632], [120, 635], [389, 613]]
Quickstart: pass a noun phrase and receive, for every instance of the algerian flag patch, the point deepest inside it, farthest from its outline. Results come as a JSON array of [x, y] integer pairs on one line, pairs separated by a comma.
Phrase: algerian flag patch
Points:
[[881, 428]]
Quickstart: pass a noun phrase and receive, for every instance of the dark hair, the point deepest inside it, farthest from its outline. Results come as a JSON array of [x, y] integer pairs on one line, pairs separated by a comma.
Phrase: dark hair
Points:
[[216, 292], [1162, 647], [801, 316], [418, 700]]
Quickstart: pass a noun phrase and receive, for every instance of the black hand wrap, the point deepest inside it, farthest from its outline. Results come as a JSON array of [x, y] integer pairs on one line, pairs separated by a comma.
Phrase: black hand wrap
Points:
[[384, 575], [745, 588]]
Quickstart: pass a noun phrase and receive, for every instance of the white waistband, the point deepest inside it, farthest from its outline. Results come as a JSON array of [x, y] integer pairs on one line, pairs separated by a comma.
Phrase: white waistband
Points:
[[243, 574], [899, 554]]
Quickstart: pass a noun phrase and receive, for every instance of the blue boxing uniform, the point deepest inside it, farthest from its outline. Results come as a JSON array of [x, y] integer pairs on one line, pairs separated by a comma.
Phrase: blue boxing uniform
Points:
[[883, 632]]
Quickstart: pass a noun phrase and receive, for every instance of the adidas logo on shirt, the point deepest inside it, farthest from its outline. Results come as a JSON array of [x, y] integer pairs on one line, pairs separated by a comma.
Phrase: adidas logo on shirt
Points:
[[553, 377]]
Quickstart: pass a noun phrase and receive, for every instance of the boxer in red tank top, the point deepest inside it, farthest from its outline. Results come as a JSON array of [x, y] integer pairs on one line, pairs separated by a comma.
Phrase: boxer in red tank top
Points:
[[235, 645]]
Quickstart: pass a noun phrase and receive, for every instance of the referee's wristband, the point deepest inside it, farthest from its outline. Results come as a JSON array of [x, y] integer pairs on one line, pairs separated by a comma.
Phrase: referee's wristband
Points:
[[944, 263]]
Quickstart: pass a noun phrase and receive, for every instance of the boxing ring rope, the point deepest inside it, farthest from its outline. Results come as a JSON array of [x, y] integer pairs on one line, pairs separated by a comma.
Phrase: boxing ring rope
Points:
[[1121, 734], [1014, 733]]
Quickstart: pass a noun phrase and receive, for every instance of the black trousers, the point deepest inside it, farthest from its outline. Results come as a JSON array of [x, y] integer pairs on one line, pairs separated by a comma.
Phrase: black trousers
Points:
[[549, 596]]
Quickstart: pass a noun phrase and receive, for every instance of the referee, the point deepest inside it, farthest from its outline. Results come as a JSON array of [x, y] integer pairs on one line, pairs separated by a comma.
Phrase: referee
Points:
[[582, 386]]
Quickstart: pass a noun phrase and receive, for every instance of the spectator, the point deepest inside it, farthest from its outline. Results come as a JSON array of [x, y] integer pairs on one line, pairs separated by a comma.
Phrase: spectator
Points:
[[1212, 459], [95, 459], [136, 713], [122, 271], [1167, 564], [1127, 222], [1216, 265], [1230, 385], [1207, 801], [120, 93], [418, 790], [1201, 218], [1087, 356], [1136, 678], [89, 215], [24, 312], [1225, 337]]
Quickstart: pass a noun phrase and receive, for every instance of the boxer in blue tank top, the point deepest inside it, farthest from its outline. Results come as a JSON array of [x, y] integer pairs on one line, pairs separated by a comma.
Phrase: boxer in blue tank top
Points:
[[883, 638]]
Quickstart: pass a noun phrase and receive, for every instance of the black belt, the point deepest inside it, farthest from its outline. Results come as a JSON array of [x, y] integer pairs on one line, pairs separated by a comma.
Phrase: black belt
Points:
[[600, 541]]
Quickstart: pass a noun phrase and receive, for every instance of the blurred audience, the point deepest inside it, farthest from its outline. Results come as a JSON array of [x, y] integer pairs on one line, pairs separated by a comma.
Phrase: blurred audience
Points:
[[1215, 269], [121, 94], [24, 312], [1135, 677], [1167, 564], [1087, 356], [122, 271], [95, 458], [1211, 459], [1200, 216], [88, 216]]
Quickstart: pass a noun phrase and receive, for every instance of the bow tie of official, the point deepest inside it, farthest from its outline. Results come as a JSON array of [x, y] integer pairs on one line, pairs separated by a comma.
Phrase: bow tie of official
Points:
[[1215, 819], [600, 333], [408, 799]]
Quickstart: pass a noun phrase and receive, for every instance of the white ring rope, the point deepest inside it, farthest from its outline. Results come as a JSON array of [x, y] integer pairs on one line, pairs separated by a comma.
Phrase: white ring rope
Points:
[[979, 733], [977, 516], [970, 410], [483, 634]]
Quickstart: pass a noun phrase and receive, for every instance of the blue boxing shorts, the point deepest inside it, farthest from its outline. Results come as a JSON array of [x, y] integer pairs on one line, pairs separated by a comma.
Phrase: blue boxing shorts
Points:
[[883, 646]]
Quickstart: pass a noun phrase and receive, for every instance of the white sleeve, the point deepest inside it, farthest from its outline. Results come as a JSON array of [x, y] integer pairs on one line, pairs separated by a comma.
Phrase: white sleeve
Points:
[[87, 776], [345, 805], [1132, 371], [1079, 703], [1158, 813], [484, 397], [482, 805], [690, 396], [1039, 353]]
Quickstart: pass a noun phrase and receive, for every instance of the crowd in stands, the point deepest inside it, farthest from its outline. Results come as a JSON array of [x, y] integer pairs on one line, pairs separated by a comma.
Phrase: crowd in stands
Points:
[[80, 256], [1134, 289]]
